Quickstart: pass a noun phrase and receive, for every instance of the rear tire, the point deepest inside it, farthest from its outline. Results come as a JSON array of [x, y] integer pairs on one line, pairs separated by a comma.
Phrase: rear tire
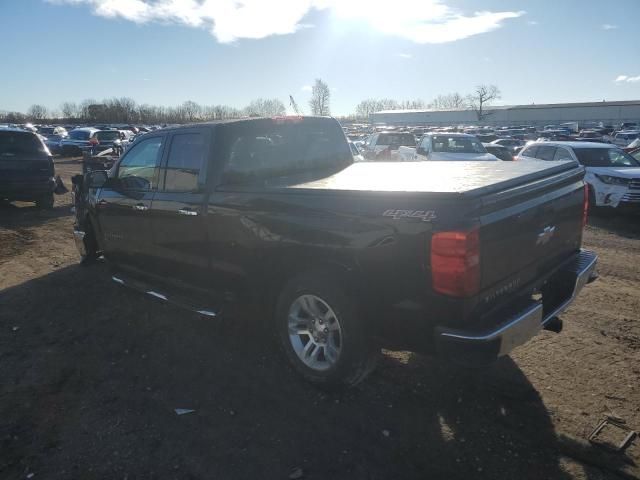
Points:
[[321, 333], [45, 202]]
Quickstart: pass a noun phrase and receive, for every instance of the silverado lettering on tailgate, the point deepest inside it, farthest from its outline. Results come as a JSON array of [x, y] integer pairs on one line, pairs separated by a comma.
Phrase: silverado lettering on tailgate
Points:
[[424, 215]]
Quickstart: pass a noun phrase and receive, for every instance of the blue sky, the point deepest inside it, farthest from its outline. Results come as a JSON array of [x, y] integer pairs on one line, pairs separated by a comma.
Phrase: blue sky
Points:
[[168, 51]]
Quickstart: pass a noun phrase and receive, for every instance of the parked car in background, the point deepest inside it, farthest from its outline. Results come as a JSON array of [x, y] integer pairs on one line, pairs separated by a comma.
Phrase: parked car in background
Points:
[[500, 151], [592, 136], [383, 145], [105, 139], [446, 146], [47, 131], [53, 143], [26, 168], [613, 175], [355, 151], [510, 143], [624, 138], [77, 141]]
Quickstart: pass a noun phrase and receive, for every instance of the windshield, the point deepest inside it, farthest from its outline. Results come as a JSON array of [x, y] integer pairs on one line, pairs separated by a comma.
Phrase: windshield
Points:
[[19, 143], [108, 135], [605, 157], [397, 139], [455, 144], [79, 135]]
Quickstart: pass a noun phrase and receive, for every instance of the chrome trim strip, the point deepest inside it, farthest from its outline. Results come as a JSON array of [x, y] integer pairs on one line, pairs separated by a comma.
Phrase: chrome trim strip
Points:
[[157, 295], [117, 280], [206, 313]]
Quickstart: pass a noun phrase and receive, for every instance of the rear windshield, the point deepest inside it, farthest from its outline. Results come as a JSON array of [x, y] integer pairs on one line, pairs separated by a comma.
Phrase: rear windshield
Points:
[[261, 151], [46, 130], [108, 135], [605, 157], [79, 135], [397, 139], [455, 144], [19, 143]]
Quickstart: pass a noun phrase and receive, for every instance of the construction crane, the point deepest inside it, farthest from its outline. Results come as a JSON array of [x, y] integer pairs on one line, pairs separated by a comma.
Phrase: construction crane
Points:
[[294, 105]]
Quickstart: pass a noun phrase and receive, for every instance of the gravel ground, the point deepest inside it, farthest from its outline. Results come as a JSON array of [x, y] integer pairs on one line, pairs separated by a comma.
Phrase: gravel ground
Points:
[[91, 374]]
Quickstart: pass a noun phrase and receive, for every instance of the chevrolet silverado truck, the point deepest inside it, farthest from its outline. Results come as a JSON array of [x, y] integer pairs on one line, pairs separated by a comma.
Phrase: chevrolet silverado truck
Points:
[[466, 260]]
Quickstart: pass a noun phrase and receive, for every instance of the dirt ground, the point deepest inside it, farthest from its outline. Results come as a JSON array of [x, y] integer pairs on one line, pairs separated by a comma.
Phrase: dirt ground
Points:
[[90, 375]]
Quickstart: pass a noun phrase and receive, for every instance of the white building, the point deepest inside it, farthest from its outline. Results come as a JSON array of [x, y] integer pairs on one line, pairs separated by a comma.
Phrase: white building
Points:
[[610, 113]]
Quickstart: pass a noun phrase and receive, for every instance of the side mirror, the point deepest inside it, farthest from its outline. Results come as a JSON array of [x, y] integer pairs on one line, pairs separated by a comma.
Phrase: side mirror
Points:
[[97, 178]]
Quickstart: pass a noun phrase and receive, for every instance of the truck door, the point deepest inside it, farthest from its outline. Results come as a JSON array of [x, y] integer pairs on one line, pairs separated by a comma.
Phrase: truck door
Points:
[[181, 248], [123, 204]]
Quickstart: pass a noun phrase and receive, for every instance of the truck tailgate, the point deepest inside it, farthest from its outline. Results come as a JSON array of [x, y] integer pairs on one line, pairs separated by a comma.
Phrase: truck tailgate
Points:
[[526, 231]]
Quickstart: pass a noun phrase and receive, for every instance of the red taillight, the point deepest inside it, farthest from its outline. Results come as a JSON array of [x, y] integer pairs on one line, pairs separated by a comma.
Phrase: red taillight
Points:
[[585, 206], [455, 263]]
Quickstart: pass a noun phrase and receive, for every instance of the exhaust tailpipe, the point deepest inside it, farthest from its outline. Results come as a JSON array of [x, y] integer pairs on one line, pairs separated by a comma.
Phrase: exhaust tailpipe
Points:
[[554, 325]]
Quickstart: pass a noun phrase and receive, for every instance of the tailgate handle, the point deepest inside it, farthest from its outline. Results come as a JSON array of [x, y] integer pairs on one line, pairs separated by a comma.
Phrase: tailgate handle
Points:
[[187, 211], [141, 207]]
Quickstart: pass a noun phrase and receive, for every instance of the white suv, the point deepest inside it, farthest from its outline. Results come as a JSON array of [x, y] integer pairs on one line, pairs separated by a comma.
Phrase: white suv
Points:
[[612, 174]]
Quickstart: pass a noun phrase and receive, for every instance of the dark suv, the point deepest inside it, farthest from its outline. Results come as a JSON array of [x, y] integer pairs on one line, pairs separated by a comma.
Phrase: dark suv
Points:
[[26, 168]]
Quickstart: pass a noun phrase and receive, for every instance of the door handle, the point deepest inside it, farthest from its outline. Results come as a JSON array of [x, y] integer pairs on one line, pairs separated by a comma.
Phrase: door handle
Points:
[[187, 211], [140, 207]]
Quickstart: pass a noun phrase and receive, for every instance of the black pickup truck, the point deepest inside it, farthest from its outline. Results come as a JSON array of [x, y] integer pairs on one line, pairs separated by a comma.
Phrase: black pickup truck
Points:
[[464, 259]]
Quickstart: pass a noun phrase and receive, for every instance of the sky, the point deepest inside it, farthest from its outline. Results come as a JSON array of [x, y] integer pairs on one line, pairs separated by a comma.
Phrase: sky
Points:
[[229, 52]]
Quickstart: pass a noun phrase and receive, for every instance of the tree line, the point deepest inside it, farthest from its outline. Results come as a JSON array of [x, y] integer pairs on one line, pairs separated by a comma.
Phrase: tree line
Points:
[[478, 101], [126, 110]]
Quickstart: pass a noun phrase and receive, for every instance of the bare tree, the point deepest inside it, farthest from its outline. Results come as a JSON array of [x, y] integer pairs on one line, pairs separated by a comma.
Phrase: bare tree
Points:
[[481, 98], [191, 111], [261, 107], [37, 112], [69, 110], [320, 98], [450, 101]]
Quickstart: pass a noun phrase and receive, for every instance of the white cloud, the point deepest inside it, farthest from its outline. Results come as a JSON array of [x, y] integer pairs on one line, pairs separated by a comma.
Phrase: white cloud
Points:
[[532, 22], [608, 26], [405, 55], [627, 79], [421, 21], [306, 88]]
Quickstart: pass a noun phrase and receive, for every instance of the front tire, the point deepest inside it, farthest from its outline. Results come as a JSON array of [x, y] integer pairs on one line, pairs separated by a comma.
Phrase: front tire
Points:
[[322, 335]]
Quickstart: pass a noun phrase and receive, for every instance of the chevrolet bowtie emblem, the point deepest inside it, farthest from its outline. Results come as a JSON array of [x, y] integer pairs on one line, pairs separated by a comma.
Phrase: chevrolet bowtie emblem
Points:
[[545, 235]]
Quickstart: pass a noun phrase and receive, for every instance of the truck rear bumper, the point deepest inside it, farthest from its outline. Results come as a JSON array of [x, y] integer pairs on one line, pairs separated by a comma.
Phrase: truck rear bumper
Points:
[[477, 348]]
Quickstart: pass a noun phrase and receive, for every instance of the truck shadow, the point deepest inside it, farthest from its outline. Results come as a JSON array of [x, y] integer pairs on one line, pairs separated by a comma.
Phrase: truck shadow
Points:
[[94, 372], [23, 214]]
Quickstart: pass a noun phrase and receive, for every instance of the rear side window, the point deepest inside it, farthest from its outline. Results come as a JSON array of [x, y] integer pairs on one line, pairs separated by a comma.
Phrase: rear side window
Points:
[[187, 158], [19, 143], [259, 151], [546, 152], [138, 169], [530, 151], [562, 154]]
